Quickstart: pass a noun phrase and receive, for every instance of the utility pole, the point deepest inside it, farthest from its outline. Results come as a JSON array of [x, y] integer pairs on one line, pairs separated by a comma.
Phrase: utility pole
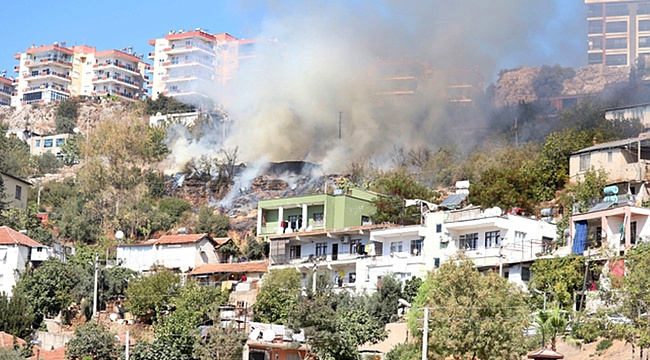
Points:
[[425, 334], [340, 114], [126, 353], [95, 291]]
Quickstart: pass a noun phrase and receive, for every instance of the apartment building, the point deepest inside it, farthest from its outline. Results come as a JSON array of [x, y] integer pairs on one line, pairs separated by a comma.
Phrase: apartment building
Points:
[[7, 88], [15, 190], [55, 72], [315, 212], [618, 31], [188, 65], [16, 252]]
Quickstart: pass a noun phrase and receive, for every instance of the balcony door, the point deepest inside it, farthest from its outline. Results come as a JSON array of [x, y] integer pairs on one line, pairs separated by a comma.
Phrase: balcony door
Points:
[[335, 251]]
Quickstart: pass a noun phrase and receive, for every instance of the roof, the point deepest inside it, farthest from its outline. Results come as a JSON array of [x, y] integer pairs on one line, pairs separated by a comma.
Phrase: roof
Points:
[[181, 239], [55, 354], [611, 145], [50, 47], [117, 53], [9, 236], [545, 354], [15, 178], [190, 34], [628, 106], [6, 80], [242, 267], [7, 340]]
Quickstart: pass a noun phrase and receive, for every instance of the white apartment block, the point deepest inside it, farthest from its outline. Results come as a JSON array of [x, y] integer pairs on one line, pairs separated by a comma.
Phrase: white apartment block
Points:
[[7, 88], [55, 72], [618, 31], [188, 65]]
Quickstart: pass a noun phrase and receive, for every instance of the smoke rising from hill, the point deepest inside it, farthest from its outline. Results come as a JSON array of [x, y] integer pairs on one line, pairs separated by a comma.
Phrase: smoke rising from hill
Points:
[[289, 110]]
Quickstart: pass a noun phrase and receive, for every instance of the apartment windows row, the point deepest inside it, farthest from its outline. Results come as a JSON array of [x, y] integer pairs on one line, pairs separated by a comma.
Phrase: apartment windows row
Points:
[[492, 239], [416, 247], [610, 59], [596, 10], [48, 143]]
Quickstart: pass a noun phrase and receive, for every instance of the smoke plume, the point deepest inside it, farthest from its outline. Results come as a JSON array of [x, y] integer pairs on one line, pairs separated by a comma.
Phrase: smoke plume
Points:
[[287, 107]]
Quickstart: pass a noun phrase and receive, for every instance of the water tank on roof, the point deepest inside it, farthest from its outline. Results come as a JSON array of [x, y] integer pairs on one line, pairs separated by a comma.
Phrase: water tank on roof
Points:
[[611, 190], [547, 212], [611, 199], [268, 335], [463, 184]]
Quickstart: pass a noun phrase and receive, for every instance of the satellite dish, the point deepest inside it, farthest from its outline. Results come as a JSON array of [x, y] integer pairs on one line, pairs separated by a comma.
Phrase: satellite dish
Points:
[[119, 234]]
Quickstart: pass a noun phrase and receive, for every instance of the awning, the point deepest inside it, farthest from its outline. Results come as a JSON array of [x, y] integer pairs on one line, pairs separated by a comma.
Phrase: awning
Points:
[[580, 238]]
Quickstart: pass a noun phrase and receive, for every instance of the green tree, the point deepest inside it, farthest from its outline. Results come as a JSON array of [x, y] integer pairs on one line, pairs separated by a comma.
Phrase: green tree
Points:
[[398, 186], [156, 350], [404, 352], [211, 223], [64, 125], [15, 155], [550, 80], [165, 105], [558, 277], [221, 343], [278, 294], [256, 250], [147, 296], [471, 315], [71, 149], [79, 221], [156, 142], [11, 354], [382, 304], [92, 341], [47, 163], [441, 168], [156, 184], [336, 324], [4, 203], [552, 324], [68, 108], [175, 207], [411, 288], [16, 316]]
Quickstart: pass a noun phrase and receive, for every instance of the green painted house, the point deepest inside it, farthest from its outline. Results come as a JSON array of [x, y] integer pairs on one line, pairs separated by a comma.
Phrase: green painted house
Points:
[[315, 212]]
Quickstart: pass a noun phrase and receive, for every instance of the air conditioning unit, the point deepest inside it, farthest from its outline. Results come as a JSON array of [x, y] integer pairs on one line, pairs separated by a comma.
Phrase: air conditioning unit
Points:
[[444, 239], [345, 239]]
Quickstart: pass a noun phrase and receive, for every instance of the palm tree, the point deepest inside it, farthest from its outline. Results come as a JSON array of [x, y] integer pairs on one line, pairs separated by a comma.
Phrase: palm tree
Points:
[[553, 323]]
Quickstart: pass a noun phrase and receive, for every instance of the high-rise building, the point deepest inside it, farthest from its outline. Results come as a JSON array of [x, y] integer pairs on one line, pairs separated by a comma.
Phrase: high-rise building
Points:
[[56, 72], [618, 31], [188, 65]]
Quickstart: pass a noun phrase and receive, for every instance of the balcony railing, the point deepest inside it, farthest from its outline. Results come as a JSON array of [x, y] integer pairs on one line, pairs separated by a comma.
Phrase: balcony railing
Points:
[[115, 92], [6, 91], [41, 60], [190, 61], [118, 64], [47, 86], [117, 78], [189, 47], [44, 73], [5, 102]]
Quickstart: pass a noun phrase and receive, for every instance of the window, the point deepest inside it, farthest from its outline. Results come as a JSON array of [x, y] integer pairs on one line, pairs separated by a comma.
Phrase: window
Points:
[[633, 232], [436, 262], [614, 60], [468, 241], [38, 143], [294, 252], [47, 143], [585, 162], [438, 228], [59, 142], [644, 25], [610, 156], [595, 11], [596, 58], [492, 238], [356, 247], [519, 239], [644, 42], [416, 247], [595, 27], [396, 247], [616, 10], [352, 277], [616, 27], [39, 249], [617, 43], [321, 249], [525, 274], [365, 220], [19, 192], [293, 222], [644, 8]]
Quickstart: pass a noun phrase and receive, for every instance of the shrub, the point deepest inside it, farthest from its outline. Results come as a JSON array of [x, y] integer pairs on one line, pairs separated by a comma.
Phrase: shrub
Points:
[[175, 207], [604, 345]]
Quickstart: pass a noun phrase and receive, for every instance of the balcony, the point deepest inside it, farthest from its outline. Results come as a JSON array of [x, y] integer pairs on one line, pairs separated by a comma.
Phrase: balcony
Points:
[[178, 49], [123, 94], [4, 102], [43, 61], [186, 77], [5, 91], [117, 64], [56, 87], [115, 78], [17, 68], [189, 62], [44, 74], [151, 55]]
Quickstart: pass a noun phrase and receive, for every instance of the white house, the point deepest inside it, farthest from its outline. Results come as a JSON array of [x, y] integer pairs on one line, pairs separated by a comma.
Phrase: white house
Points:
[[638, 111], [506, 243], [181, 253], [16, 252]]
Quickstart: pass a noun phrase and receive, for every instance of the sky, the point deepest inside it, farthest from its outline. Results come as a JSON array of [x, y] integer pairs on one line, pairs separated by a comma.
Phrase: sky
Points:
[[559, 36]]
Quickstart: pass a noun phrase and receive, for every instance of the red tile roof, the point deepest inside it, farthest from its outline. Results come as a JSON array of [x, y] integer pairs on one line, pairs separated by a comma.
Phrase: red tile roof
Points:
[[117, 53], [181, 239], [50, 47], [9, 236], [7, 340], [56, 354], [243, 267], [190, 34]]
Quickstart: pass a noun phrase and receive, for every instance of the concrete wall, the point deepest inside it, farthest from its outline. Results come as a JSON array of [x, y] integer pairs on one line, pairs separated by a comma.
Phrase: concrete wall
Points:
[[50, 340], [16, 197], [11, 265]]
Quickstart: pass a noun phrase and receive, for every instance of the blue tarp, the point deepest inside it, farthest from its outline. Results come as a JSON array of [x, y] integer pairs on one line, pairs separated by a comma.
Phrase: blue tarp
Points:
[[580, 238]]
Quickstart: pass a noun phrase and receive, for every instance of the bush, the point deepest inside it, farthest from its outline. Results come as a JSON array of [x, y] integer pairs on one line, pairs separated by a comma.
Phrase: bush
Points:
[[604, 345], [211, 223], [47, 163], [175, 207]]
